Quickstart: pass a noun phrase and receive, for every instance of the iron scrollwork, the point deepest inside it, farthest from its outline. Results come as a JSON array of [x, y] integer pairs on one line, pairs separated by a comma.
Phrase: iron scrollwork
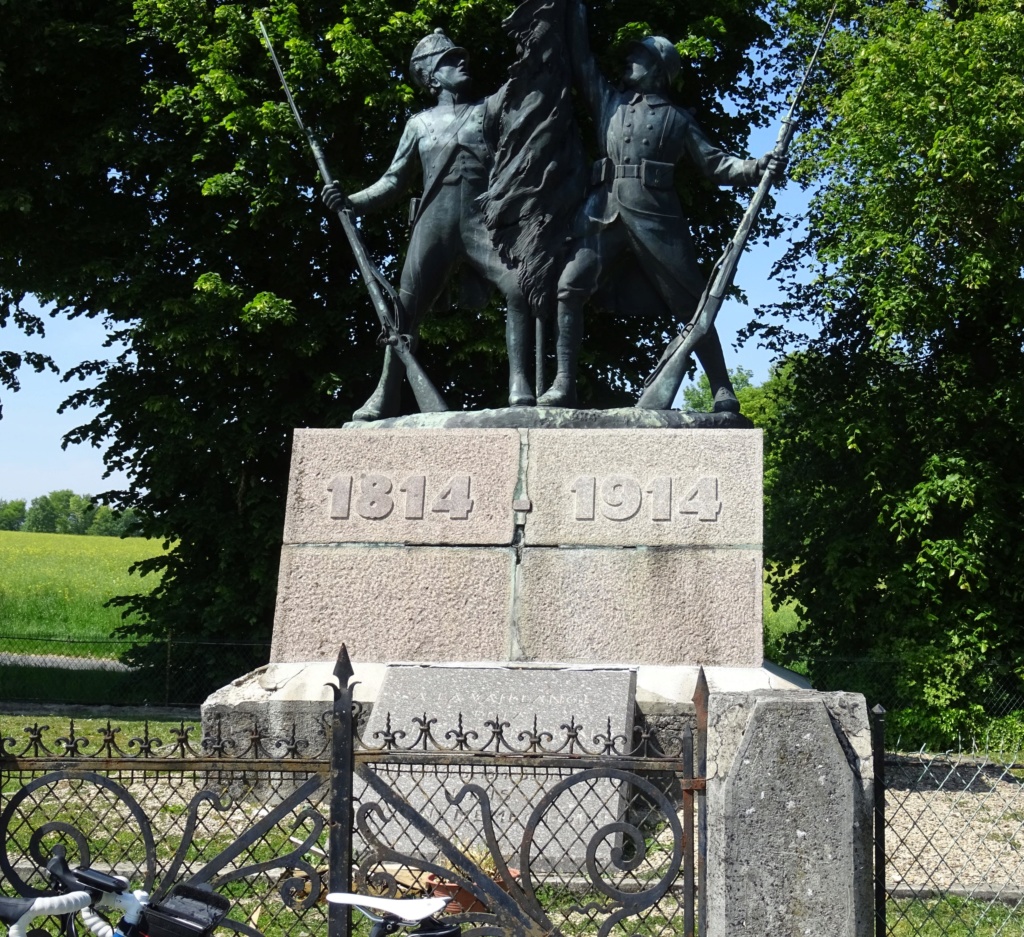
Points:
[[614, 842], [61, 832], [84, 816]]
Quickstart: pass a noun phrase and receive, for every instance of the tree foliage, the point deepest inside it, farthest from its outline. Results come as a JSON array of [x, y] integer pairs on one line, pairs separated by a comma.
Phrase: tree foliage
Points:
[[899, 467], [12, 514], [698, 397], [64, 512], [154, 137]]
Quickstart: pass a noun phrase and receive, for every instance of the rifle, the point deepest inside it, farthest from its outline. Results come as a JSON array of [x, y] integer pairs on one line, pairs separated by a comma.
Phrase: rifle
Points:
[[389, 310], [663, 383]]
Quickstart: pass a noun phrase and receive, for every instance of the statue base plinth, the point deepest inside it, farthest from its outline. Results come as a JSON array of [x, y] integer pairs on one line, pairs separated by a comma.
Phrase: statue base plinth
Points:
[[584, 546], [560, 418]]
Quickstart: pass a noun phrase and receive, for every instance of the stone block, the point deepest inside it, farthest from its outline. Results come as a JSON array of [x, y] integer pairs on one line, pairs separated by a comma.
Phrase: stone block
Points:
[[545, 699], [643, 606], [622, 546], [393, 603], [517, 695], [644, 487], [402, 486], [789, 800]]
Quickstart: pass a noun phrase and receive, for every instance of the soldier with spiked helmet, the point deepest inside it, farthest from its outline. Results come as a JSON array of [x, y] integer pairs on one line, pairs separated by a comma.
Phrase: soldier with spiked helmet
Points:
[[454, 144]]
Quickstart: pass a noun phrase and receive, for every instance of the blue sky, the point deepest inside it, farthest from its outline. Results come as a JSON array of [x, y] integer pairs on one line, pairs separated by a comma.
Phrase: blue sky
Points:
[[33, 463], [31, 459]]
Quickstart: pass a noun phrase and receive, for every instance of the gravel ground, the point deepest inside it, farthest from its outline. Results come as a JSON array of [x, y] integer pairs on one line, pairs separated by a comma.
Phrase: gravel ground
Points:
[[954, 823]]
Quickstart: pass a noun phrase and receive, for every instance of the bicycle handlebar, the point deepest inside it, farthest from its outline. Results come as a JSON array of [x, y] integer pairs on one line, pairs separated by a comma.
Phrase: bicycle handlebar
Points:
[[97, 923], [67, 903]]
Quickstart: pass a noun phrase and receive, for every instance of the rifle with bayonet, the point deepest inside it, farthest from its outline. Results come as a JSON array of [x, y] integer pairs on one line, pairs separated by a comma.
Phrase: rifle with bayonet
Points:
[[663, 384], [386, 301]]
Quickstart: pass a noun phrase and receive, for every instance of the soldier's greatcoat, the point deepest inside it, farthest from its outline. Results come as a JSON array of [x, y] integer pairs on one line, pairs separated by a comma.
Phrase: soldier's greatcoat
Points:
[[632, 202]]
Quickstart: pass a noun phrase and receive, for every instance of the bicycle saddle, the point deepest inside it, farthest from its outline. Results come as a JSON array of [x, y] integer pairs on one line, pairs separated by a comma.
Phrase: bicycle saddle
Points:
[[407, 910]]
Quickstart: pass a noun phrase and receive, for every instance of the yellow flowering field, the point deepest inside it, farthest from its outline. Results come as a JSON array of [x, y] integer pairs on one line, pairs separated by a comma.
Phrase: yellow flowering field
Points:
[[54, 586]]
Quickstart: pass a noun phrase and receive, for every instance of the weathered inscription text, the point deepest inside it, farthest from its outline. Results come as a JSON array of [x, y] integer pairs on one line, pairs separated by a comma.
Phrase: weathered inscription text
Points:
[[621, 498], [373, 497]]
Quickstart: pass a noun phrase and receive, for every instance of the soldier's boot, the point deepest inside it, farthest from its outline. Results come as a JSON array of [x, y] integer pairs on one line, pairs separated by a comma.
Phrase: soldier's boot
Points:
[[386, 400], [569, 332], [712, 360], [520, 393]]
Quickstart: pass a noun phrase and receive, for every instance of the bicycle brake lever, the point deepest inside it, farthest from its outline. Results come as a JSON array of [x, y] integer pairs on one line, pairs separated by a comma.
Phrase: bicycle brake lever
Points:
[[93, 878], [93, 881], [60, 872]]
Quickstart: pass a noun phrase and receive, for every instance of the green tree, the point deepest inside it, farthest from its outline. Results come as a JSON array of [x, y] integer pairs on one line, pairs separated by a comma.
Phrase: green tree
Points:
[[895, 508], [60, 512], [41, 517], [759, 403], [108, 523], [697, 395], [155, 137], [12, 514], [79, 516]]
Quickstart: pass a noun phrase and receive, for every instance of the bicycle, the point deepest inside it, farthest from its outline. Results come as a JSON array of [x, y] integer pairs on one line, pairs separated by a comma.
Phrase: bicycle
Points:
[[186, 912]]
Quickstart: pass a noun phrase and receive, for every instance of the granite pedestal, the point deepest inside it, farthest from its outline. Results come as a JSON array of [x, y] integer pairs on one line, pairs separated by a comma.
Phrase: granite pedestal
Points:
[[637, 546], [494, 563]]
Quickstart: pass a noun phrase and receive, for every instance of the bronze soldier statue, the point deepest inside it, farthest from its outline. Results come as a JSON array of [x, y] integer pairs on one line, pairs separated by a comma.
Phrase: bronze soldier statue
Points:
[[632, 203], [454, 142]]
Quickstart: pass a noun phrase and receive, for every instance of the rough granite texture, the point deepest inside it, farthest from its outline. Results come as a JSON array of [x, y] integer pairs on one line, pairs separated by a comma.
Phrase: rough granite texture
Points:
[[644, 606], [596, 699], [393, 603], [518, 695], [623, 466], [535, 571], [319, 456], [789, 797]]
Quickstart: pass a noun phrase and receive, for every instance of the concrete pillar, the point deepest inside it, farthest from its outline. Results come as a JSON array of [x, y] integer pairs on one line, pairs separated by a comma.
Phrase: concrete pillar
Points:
[[789, 800]]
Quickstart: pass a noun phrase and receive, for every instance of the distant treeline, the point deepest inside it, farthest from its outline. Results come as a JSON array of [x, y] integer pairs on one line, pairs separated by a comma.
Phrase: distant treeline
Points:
[[64, 512]]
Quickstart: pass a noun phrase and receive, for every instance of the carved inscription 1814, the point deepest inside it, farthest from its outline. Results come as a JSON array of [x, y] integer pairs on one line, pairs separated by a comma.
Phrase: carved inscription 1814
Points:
[[373, 497]]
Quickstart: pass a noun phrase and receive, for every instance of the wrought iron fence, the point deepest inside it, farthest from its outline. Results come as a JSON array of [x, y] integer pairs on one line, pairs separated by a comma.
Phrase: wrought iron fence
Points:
[[573, 831]]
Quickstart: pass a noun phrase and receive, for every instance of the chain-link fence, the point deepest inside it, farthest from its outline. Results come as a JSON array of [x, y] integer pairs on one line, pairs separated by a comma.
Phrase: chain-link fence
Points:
[[118, 673], [881, 680], [952, 842], [993, 718]]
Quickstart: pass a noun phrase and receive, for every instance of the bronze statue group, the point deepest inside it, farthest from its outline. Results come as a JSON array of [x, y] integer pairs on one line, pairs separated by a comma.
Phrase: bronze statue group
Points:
[[629, 203]]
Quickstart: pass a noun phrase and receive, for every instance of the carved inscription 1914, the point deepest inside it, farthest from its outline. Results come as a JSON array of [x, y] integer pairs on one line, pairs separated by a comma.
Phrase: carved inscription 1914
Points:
[[621, 498]]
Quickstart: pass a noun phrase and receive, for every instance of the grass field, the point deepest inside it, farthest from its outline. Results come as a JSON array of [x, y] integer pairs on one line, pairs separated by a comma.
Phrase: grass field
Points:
[[54, 586], [59, 723], [953, 917]]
